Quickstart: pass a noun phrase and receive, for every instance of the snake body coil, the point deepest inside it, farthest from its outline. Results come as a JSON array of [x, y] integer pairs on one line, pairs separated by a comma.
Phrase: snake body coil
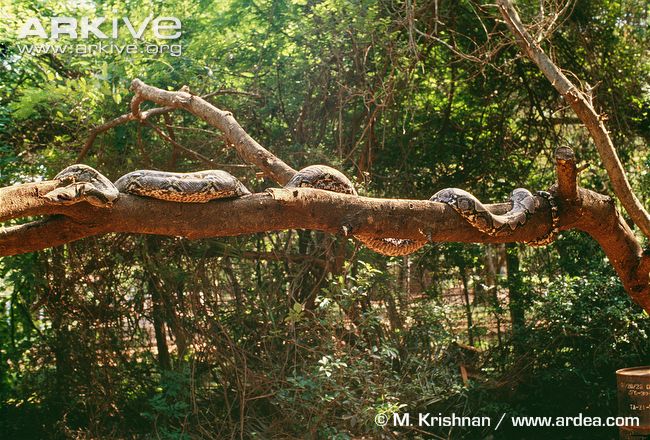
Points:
[[197, 187], [523, 205], [330, 179], [83, 183]]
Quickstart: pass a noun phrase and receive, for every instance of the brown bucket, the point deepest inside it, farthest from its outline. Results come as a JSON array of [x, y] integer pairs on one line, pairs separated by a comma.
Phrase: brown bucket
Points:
[[634, 401]]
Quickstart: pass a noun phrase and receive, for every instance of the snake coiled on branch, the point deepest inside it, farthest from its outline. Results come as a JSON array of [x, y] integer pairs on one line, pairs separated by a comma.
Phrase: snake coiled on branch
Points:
[[330, 179], [83, 183], [523, 205]]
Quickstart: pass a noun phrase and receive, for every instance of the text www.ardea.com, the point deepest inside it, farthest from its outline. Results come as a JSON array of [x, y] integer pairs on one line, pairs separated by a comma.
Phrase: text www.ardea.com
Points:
[[454, 420]]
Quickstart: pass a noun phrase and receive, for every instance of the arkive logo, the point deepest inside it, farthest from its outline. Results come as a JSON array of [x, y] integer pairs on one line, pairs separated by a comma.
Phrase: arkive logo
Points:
[[166, 28]]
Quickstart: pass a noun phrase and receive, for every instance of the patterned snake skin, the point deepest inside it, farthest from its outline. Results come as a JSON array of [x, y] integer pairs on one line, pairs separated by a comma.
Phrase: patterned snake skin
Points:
[[329, 179], [523, 206], [197, 187], [465, 204], [83, 183]]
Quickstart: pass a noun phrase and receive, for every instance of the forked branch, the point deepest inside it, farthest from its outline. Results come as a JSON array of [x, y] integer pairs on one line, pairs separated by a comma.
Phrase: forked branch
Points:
[[247, 147], [304, 208], [584, 110]]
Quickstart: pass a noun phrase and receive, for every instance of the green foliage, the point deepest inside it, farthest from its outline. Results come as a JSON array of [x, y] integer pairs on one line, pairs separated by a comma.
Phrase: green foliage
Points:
[[170, 406], [300, 334], [582, 330]]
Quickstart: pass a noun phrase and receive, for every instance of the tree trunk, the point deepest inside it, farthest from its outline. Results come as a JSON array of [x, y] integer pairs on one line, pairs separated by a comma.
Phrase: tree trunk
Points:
[[516, 295], [468, 304], [159, 327]]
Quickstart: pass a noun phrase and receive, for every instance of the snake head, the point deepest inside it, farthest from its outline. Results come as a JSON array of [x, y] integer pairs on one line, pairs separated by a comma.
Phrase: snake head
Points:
[[523, 200], [81, 183], [80, 192]]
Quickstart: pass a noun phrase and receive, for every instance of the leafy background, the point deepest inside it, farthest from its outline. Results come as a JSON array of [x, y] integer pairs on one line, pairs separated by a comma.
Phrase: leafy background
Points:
[[298, 334]]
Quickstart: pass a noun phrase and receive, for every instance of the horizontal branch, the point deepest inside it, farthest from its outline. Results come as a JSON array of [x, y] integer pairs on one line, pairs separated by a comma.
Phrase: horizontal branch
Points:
[[275, 210], [26, 200], [305, 208]]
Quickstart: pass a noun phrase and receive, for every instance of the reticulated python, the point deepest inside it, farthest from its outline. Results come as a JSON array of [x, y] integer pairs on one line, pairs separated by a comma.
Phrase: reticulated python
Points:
[[83, 183], [523, 205], [197, 187], [87, 184]]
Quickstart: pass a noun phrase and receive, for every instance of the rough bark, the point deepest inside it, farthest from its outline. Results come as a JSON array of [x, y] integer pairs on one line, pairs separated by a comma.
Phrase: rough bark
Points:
[[304, 208], [582, 106]]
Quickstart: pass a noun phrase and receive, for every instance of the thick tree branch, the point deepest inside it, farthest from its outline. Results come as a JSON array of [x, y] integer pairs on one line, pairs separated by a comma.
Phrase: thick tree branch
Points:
[[276, 209], [304, 208], [597, 215], [246, 146], [26, 200], [584, 110]]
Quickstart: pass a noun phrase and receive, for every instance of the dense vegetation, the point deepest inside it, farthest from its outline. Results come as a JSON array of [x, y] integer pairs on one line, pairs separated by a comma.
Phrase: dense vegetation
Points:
[[300, 334]]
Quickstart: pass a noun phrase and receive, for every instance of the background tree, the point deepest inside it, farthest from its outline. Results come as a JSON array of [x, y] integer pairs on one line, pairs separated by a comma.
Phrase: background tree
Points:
[[292, 332]]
